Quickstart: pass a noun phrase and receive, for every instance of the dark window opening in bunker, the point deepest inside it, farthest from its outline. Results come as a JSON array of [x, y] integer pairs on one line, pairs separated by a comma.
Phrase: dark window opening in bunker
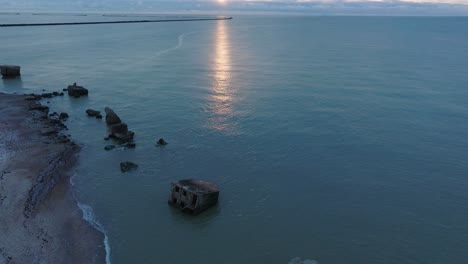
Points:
[[177, 188], [194, 200], [184, 193], [174, 200], [182, 204]]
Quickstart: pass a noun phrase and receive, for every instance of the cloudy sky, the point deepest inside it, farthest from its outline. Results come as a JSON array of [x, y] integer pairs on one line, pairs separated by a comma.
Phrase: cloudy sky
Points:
[[314, 7]]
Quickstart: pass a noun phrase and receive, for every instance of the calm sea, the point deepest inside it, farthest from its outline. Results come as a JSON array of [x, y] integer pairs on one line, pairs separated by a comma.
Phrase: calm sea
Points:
[[335, 139]]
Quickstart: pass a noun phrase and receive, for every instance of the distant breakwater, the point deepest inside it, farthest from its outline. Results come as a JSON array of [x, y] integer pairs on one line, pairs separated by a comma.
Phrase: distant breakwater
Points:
[[112, 22]]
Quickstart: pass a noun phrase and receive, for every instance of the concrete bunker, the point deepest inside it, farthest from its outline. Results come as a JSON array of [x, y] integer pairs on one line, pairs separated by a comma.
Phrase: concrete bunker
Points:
[[193, 196], [10, 71]]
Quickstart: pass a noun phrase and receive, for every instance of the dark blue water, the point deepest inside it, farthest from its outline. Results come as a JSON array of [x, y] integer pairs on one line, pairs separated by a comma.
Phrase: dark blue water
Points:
[[338, 139]]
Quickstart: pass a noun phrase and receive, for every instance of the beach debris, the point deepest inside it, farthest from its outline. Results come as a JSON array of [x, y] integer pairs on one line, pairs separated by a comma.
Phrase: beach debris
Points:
[[127, 165], [93, 113], [109, 147], [10, 71], [47, 131], [77, 91], [193, 196], [111, 117], [63, 116], [161, 142]]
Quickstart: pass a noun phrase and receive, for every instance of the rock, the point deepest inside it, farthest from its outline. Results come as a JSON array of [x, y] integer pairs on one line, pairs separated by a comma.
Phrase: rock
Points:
[[46, 95], [109, 147], [121, 128], [55, 93], [91, 112], [161, 142], [124, 137], [127, 165], [32, 97], [10, 71], [111, 117], [62, 139], [77, 91], [39, 107], [63, 116], [98, 116]]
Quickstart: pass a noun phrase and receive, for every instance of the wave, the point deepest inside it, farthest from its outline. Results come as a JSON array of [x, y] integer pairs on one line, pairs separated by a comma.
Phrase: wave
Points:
[[298, 260], [179, 45], [89, 216]]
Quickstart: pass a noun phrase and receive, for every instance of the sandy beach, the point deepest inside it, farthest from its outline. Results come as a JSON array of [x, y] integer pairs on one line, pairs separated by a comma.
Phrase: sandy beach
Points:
[[40, 221]]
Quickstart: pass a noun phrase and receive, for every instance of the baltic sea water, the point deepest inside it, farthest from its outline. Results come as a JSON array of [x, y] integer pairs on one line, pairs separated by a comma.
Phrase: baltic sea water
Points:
[[338, 139]]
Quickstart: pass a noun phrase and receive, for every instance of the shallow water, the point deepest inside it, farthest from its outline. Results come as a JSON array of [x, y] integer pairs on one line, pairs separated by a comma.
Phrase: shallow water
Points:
[[338, 139]]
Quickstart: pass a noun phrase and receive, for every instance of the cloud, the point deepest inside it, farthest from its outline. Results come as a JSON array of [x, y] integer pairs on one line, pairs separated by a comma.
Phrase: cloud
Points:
[[313, 7]]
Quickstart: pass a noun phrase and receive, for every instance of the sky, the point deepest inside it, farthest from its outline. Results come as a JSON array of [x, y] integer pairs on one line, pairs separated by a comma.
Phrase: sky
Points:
[[312, 7]]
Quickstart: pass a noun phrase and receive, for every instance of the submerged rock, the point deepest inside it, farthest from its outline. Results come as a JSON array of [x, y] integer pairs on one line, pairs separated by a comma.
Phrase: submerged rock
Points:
[[109, 147], [127, 165], [111, 117], [130, 144], [77, 91], [91, 112], [161, 142]]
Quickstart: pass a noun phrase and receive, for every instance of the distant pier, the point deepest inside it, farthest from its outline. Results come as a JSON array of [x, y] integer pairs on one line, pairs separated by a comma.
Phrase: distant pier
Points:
[[112, 22]]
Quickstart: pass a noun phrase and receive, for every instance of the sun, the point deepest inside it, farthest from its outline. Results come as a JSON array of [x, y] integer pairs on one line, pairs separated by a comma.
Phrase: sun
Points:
[[221, 1]]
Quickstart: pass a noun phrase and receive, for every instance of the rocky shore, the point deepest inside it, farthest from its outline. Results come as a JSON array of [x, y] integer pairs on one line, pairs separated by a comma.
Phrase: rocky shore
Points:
[[40, 221]]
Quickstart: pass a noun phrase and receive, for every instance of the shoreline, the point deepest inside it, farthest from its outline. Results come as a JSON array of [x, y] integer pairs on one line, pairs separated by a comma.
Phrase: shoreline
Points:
[[40, 219]]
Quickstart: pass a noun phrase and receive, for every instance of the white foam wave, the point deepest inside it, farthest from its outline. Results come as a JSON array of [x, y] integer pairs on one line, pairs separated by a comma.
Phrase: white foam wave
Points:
[[179, 45], [298, 260], [89, 216]]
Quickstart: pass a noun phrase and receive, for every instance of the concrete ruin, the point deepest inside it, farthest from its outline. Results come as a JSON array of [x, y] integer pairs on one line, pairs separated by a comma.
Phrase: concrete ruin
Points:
[[10, 71], [193, 196]]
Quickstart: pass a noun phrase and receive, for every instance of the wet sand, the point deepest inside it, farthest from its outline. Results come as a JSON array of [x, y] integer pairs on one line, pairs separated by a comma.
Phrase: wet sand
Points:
[[40, 221]]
